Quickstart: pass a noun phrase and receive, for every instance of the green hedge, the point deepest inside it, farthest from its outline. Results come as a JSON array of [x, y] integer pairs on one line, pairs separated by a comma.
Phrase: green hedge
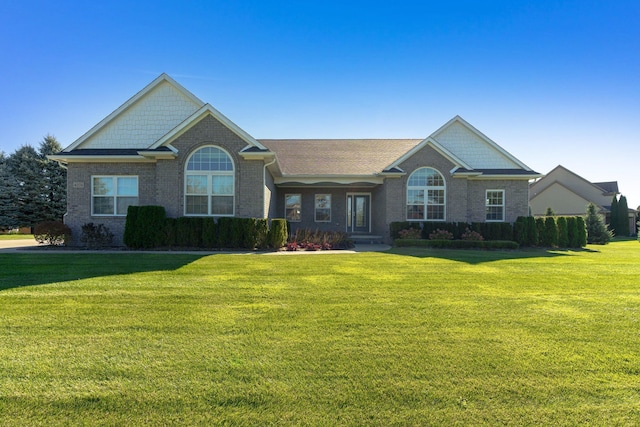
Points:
[[457, 244], [147, 227]]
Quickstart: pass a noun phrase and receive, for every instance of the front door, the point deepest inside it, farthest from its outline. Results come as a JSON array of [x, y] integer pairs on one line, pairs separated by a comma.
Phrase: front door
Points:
[[358, 213]]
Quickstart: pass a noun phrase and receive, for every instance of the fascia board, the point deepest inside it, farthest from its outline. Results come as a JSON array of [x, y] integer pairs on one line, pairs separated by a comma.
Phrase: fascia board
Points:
[[100, 159], [148, 88]]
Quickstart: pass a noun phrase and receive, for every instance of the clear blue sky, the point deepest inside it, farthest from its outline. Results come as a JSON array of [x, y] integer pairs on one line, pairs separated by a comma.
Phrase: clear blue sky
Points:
[[553, 82]]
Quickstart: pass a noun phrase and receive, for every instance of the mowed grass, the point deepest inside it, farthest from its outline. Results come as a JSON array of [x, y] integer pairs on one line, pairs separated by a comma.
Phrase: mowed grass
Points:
[[407, 337]]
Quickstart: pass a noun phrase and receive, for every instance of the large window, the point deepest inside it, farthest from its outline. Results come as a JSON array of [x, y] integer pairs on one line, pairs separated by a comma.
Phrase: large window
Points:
[[426, 195], [293, 207], [112, 195], [210, 183], [323, 207], [495, 205]]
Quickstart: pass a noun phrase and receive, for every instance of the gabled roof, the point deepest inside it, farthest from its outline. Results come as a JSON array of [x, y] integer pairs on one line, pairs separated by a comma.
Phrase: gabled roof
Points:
[[471, 151], [204, 111], [594, 193], [160, 106]]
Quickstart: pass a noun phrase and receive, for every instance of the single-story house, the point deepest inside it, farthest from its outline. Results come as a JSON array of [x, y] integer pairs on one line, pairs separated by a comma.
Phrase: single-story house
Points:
[[166, 147], [567, 193]]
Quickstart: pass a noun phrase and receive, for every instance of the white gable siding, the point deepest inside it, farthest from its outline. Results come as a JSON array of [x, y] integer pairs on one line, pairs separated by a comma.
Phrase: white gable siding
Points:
[[146, 121], [472, 149]]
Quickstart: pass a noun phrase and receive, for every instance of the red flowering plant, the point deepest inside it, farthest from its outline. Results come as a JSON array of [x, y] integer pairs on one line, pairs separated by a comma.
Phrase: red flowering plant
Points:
[[441, 235], [472, 235]]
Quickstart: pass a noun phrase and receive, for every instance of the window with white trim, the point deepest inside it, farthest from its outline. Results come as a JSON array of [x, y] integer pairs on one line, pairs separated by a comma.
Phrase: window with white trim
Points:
[[323, 207], [293, 207], [426, 195], [494, 203], [210, 183], [112, 195]]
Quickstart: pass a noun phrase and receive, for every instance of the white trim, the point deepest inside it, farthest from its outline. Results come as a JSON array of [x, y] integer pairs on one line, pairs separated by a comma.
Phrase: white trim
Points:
[[285, 206], [209, 174], [335, 179], [436, 146], [315, 207], [486, 205], [426, 197], [114, 178]]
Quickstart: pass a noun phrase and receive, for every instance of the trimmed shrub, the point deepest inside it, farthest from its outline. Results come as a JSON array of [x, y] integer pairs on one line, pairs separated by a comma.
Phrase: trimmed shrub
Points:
[[563, 232], [224, 232], [410, 233], [457, 244], [572, 232], [149, 226], [582, 231], [278, 233], [130, 236], [170, 232], [550, 233], [470, 235], [144, 227], [261, 230], [53, 233], [96, 236], [209, 233], [189, 232], [540, 227], [532, 232], [520, 230], [441, 235]]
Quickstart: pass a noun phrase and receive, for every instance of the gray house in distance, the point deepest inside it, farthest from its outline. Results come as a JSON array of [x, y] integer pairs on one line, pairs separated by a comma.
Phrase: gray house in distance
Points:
[[166, 147]]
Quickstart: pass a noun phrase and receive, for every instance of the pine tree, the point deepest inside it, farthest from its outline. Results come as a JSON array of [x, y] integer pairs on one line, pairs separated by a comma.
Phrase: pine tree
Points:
[[41, 192], [613, 221], [623, 217], [597, 231], [8, 196], [53, 195]]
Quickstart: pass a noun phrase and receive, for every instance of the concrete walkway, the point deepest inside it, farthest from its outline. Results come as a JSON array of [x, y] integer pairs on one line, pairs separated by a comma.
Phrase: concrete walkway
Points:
[[31, 246]]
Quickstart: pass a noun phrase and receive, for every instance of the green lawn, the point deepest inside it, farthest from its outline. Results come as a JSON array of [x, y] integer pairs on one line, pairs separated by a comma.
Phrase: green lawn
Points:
[[407, 337], [16, 236]]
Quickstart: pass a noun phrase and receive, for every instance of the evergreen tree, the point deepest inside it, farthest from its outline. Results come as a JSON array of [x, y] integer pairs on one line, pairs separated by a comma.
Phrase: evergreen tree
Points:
[[623, 217], [53, 201], [41, 194], [563, 232], [8, 196], [572, 231], [550, 212], [582, 231], [597, 231], [24, 164], [550, 232], [613, 221]]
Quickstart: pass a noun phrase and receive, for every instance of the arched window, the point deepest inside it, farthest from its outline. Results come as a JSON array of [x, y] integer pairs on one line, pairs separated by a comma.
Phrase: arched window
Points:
[[209, 183], [426, 195]]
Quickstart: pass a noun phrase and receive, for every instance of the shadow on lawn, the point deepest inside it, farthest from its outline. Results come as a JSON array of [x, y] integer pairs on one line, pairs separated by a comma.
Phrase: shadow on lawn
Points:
[[17, 270], [478, 256]]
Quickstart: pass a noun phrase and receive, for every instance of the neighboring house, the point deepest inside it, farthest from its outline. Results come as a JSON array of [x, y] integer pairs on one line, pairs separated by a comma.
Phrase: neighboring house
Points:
[[166, 147], [567, 193]]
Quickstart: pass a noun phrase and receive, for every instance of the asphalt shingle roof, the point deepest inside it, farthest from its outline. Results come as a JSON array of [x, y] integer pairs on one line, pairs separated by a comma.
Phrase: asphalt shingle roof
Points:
[[337, 156]]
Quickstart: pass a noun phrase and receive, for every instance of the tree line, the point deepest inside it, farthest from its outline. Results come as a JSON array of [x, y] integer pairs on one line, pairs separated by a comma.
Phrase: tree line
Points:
[[33, 188]]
